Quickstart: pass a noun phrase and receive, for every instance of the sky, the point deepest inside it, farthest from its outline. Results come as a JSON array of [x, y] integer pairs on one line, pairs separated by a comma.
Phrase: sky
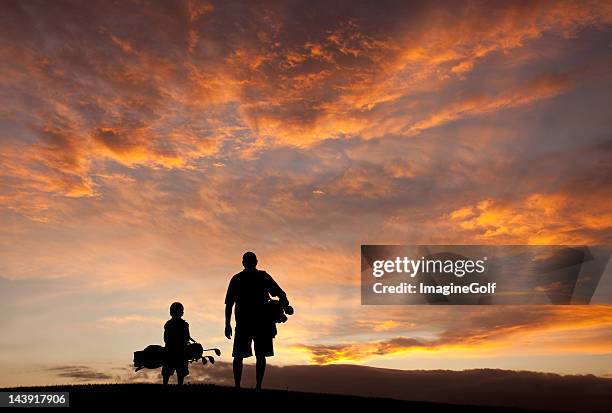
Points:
[[146, 145]]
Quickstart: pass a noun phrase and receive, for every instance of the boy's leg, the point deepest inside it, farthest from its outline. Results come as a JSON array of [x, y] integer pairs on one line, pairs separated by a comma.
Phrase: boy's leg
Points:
[[237, 365], [260, 369], [182, 371], [166, 373]]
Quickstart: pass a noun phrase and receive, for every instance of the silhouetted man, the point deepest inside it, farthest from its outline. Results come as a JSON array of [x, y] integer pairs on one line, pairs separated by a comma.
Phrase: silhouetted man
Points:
[[250, 290]]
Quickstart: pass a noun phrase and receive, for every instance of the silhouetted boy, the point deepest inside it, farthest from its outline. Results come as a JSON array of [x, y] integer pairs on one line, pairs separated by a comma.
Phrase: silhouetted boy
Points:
[[176, 337]]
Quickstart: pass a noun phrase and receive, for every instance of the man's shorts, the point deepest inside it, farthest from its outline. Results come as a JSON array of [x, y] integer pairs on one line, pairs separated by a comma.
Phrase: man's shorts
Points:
[[243, 337]]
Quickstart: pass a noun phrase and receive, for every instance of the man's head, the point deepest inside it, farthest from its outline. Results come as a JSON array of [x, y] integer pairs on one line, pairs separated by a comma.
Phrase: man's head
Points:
[[176, 310], [249, 260]]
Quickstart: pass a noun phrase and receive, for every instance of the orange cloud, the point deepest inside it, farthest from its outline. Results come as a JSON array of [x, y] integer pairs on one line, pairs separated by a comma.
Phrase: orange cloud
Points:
[[139, 147], [132, 318], [362, 183], [540, 88], [202, 84], [556, 218], [584, 330]]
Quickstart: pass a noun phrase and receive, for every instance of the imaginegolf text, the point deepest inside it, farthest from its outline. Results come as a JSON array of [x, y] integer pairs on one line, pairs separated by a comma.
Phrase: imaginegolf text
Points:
[[406, 288]]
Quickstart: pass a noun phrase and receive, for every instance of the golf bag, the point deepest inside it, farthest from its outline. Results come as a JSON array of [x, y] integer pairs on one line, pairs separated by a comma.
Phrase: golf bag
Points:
[[277, 312], [154, 356]]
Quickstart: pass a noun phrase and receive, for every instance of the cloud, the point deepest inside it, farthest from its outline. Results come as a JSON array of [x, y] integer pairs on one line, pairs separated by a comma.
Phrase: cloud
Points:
[[79, 373], [132, 318], [536, 89], [492, 329], [143, 162], [538, 219], [107, 88]]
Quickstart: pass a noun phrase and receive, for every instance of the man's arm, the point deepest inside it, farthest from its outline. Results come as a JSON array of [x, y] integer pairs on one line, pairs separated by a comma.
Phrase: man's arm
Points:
[[230, 300], [276, 291], [228, 319]]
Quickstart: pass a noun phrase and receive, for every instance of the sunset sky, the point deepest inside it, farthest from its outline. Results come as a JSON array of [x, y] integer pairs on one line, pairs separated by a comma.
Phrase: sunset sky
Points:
[[145, 146]]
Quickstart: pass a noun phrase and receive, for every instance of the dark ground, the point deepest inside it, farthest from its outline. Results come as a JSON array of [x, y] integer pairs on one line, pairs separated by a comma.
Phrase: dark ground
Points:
[[197, 396]]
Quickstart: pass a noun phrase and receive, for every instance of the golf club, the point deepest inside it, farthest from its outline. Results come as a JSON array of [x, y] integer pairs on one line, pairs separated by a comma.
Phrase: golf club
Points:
[[216, 350]]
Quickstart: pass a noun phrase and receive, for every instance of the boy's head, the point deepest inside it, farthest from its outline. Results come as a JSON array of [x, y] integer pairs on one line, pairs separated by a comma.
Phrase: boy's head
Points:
[[176, 310]]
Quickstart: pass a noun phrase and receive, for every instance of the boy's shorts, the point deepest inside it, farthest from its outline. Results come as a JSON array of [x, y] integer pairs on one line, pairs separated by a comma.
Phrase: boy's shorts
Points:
[[176, 364], [243, 337]]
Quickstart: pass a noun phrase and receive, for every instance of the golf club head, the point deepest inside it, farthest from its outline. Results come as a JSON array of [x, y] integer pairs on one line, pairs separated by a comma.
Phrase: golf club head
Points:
[[211, 359], [204, 360]]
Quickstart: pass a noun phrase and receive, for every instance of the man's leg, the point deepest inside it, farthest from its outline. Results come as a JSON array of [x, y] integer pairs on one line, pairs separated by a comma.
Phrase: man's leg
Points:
[[165, 378], [264, 347], [179, 379], [237, 371], [260, 370]]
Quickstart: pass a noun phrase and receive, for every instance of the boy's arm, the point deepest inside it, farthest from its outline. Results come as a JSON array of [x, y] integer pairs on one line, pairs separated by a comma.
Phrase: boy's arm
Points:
[[189, 334]]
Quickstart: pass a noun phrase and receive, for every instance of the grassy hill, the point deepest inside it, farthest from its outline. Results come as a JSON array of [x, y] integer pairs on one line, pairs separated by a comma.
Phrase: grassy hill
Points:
[[200, 396]]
